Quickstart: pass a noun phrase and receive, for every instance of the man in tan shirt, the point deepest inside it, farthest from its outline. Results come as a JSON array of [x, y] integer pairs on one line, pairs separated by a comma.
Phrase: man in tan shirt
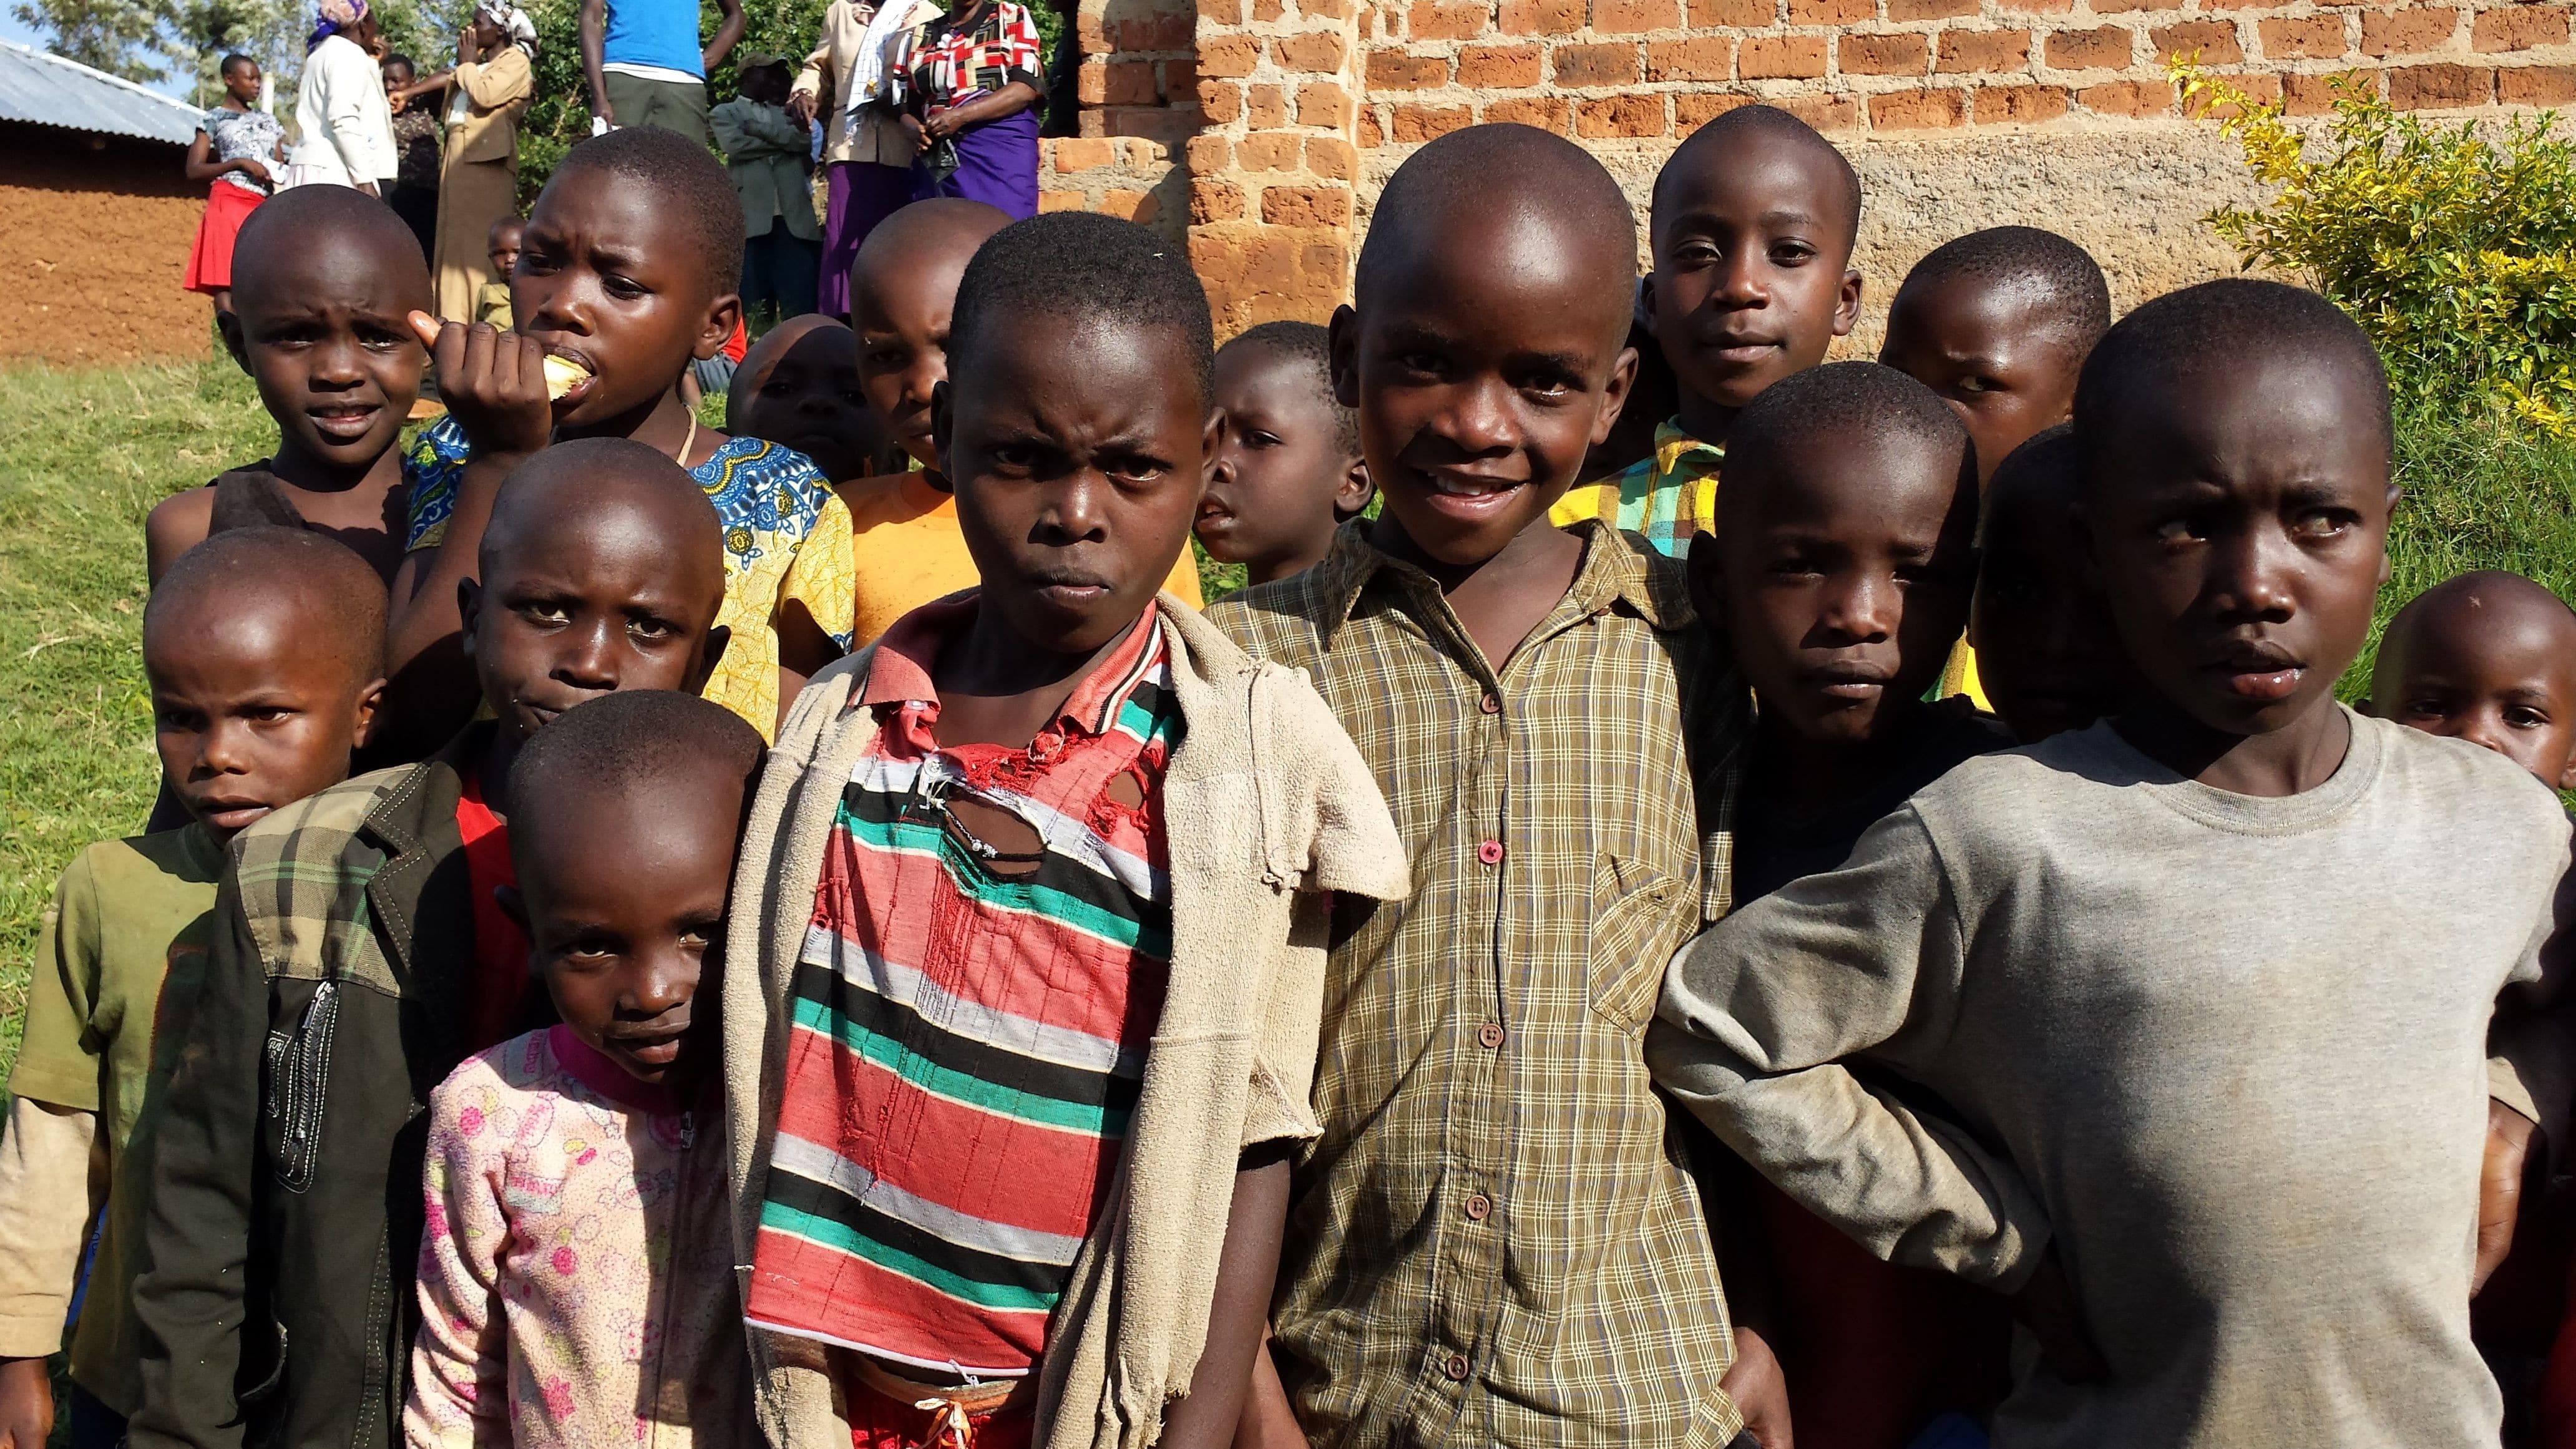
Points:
[[867, 155]]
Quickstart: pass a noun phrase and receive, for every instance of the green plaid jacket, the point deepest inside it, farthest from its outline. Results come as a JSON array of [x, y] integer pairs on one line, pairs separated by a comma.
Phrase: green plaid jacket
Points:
[[286, 1208], [1497, 1240]]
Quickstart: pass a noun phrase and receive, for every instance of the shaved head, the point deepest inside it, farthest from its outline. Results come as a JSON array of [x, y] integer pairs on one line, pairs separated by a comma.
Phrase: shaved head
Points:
[[561, 493], [1737, 138], [298, 239], [317, 591], [935, 236], [1511, 190], [2489, 607]]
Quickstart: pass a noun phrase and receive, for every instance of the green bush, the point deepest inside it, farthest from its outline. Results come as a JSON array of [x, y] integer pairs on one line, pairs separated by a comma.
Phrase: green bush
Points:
[[2455, 250]]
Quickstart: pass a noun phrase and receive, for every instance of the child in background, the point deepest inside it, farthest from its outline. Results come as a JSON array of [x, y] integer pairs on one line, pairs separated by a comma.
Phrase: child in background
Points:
[[413, 192], [501, 244], [324, 281], [1839, 571], [768, 154], [799, 387], [1754, 220], [360, 952], [264, 648], [629, 269], [236, 153], [2046, 654], [1998, 322], [1560, 742], [908, 549], [2488, 657], [533, 1304], [2143, 1003], [1023, 974], [1289, 471]]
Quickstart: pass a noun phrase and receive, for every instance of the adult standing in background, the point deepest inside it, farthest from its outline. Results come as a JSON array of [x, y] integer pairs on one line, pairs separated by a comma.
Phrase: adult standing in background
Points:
[[233, 155], [765, 152], [970, 99], [867, 152], [478, 183], [414, 194], [644, 65], [340, 105]]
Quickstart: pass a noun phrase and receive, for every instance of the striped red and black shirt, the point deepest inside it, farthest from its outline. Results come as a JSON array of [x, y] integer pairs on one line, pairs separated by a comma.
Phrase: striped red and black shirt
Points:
[[968, 1030]]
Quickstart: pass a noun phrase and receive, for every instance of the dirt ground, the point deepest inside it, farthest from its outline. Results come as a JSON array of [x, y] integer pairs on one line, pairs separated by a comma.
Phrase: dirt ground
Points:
[[94, 237]]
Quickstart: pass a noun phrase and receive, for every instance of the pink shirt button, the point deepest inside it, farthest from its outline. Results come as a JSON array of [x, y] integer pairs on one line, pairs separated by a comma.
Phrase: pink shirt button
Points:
[[1490, 852]]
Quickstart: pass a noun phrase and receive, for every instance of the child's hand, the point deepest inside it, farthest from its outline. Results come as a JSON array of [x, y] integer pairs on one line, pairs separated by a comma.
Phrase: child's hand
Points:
[[912, 127], [1759, 1391], [251, 168], [26, 1403], [494, 382], [2509, 1136], [2048, 1307]]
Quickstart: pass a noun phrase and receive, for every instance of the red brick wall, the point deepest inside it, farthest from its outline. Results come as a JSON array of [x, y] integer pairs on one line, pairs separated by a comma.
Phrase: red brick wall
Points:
[[94, 236]]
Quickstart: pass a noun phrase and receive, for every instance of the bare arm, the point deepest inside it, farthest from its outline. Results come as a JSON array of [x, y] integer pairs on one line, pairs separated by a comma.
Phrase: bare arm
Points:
[[175, 525], [1245, 1273], [726, 34], [594, 21], [1009, 101]]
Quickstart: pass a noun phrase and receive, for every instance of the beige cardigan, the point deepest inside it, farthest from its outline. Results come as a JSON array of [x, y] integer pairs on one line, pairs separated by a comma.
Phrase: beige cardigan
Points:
[[1268, 807]]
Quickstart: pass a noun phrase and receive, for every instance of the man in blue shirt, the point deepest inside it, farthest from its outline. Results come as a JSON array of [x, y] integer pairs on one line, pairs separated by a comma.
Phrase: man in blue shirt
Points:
[[645, 66]]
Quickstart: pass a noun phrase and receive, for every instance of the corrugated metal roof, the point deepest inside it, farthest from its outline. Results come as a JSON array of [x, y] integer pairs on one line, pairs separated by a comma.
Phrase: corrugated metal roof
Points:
[[52, 91]]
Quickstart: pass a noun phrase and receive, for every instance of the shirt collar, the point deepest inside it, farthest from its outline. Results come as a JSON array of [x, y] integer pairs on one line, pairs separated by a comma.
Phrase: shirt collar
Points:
[[900, 672], [1672, 445], [1613, 572]]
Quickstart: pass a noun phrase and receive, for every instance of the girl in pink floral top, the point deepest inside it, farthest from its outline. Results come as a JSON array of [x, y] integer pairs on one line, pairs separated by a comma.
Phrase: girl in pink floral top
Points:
[[576, 1282]]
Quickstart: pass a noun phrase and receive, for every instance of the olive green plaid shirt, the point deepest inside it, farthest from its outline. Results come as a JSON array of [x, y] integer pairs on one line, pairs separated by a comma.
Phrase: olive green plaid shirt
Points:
[[1495, 1241]]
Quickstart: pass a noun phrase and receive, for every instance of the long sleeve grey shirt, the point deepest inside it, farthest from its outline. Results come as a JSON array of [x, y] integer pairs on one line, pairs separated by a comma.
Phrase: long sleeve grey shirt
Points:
[[2228, 1053]]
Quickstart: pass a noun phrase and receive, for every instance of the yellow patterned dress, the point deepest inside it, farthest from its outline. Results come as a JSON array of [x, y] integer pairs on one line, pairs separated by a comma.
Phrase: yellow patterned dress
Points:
[[786, 541]]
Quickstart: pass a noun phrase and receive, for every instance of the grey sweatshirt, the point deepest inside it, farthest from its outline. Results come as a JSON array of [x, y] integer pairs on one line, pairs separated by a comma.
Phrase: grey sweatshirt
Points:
[[2230, 1051]]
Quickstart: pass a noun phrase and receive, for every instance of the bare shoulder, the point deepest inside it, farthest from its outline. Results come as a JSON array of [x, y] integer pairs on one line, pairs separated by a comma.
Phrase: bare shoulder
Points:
[[175, 525]]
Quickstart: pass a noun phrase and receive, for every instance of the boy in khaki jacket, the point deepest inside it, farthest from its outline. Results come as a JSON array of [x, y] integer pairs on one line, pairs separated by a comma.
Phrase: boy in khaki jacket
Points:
[[1029, 923]]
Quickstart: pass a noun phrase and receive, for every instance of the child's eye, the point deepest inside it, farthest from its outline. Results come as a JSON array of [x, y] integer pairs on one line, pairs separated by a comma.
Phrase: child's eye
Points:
[[1421, 362], [1792, 254], [2321, 523], [2524, 717], [179, 719], [2181, 530], [2423, 709], [545, 613], [1978, 385], [652, 630], [625, 287], [268, 713], [1262, 440]]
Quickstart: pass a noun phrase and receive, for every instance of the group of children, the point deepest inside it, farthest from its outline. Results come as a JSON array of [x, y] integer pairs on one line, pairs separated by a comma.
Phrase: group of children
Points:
[[830, 951]]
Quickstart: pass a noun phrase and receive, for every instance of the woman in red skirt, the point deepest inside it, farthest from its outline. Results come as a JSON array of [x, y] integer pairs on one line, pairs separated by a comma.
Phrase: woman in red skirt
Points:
[[235, 148]]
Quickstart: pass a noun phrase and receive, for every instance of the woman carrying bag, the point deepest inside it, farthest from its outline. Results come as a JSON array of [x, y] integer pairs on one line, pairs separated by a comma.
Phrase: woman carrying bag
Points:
[[478, 180]]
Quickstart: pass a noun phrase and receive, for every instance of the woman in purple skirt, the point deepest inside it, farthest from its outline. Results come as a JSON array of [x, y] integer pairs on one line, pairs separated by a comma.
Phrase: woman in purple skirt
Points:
[[970, 89]]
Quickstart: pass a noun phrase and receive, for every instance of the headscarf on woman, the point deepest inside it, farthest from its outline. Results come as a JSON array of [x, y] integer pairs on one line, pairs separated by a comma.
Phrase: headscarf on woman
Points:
[[331, 17], [515, 26]]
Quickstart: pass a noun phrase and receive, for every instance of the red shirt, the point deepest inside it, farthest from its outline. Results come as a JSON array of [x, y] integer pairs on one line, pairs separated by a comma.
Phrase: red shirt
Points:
[[500, 947]]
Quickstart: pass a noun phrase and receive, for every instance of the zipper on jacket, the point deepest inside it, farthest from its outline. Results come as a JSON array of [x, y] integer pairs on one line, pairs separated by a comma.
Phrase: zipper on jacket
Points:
[[300, 1070]]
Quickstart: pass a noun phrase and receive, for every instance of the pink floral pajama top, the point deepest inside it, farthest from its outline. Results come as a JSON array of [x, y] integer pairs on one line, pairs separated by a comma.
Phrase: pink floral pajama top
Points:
[[576, 1283]]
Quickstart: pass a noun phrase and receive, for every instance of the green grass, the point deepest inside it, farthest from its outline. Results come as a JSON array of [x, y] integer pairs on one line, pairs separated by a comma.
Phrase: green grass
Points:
[[87, 454]]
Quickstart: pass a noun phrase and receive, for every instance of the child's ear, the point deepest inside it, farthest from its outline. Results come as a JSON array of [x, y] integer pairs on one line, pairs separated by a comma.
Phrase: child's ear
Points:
[[1705, 577], [2567, 773], [1614, 395], [1847, 305], [723, 315], [2394, 493], [230, 326], [1352, 498], [1211, 444], [369, 700], [718, 638], [469, 602], [1646, 305], [940, 399], [1342, 342]]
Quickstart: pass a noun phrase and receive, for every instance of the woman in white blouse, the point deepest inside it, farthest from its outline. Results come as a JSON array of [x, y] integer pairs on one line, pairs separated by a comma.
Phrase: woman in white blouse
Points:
[[340, 106]]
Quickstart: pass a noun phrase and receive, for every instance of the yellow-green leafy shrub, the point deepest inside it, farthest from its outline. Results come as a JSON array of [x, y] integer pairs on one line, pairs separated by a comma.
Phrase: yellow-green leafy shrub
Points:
[[2454, 249]]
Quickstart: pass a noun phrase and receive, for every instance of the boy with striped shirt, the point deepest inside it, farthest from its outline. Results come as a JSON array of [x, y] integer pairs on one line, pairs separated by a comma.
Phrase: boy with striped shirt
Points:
[[1034, 901]]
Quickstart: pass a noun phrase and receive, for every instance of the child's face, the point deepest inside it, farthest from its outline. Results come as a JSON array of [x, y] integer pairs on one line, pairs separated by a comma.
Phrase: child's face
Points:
[[1078, 456], [395, 75], [1843, 587], [2495, 669], [2046, 651], [1282, 479], [2000, 358], [899, 307], [1481, 378], [611, 277], [322, 331], [1752, 279], [624, 901], [604, 595], [799, 388], [242, 83], [505, 247], [2238, 528], [248, 715]]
